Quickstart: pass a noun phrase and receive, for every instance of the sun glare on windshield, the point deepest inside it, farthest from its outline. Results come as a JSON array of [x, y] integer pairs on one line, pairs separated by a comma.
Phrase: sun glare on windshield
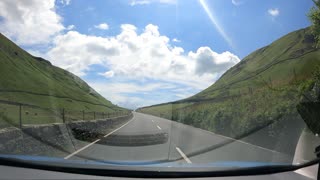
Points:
[[222, 84]]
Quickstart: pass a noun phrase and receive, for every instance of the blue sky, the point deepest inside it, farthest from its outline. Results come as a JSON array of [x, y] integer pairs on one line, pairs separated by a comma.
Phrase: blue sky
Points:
[[248, 24], [142, 52]]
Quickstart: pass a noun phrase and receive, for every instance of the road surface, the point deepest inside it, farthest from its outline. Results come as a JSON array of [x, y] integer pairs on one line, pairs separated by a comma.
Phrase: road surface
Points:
[[150, 139]]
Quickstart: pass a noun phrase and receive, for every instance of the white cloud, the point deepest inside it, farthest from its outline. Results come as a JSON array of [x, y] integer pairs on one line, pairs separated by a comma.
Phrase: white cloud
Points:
[[76, 52], [107, 74], [65, 2], [115, 92], [145, 2], [102, 26], [139, 56], [70, 27], [29, 22], [209, 61], [274, 12], [37, 53], [128, 55], [176, 40], [236, 2]]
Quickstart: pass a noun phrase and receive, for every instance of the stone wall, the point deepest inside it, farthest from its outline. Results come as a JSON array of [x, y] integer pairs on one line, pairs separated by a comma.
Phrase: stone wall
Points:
[[55, 139]]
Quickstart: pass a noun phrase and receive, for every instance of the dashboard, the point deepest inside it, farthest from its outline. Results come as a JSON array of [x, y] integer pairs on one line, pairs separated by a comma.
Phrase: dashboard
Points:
[[24, 173]]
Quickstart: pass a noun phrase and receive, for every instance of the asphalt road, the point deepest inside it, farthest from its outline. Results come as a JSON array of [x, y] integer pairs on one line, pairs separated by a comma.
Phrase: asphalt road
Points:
[[149, 139]]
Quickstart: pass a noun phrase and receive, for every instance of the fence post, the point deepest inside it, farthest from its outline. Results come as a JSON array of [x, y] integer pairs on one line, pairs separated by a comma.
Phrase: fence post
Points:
[[20, 116], [82, 114], [63, 116]]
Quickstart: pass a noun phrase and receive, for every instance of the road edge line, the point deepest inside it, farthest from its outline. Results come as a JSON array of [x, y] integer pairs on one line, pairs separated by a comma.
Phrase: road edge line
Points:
[[88, 145], [81, 149], [117, 128]]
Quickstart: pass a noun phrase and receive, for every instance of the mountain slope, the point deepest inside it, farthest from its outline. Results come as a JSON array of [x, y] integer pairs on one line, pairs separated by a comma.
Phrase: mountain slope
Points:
[[292, 57], [33, 80], [263, 88]]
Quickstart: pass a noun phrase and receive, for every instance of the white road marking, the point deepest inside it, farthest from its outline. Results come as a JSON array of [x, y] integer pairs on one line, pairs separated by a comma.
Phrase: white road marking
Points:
[[152, 120], [235, 140], [225, 137], [306, 173], [183, 155], [70, 155], [117, 129], [159, 127], [85, 147]]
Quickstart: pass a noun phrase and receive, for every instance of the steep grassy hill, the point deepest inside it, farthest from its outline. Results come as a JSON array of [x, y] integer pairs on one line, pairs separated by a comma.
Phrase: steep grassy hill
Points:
[[263, 88], [32, 80]]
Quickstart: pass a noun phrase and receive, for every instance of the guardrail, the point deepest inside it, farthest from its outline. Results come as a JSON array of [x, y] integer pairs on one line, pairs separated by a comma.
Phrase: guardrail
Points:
[[20, 114]]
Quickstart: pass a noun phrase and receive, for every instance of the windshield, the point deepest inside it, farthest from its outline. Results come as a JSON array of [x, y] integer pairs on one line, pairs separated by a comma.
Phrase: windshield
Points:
[[224, 84]]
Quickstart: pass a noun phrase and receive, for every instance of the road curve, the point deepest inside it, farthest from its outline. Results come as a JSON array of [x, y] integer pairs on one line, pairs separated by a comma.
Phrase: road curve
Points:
[[147, 138]]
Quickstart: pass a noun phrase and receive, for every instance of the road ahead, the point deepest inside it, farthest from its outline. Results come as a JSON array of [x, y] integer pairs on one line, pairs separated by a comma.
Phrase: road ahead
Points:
[[147, 138]]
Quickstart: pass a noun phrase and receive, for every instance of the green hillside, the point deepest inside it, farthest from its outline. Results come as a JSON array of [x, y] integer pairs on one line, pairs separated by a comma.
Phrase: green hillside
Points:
[[263, 88], [34, 81]]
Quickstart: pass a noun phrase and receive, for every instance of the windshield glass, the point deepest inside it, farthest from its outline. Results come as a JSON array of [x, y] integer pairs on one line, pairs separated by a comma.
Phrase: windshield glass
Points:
[[222, 84]]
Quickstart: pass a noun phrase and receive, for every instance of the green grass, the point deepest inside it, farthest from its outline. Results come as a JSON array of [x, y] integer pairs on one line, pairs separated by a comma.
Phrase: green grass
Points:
[[264, 87], [164, 110], [30, 80], [10, 115]]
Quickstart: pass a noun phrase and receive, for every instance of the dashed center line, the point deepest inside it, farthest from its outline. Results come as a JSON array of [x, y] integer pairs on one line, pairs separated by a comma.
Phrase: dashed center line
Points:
[[158, 127], [183, 155]]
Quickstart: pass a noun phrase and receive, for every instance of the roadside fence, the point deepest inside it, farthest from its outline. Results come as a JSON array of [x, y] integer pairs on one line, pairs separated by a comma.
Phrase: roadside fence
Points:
[[19, 114]]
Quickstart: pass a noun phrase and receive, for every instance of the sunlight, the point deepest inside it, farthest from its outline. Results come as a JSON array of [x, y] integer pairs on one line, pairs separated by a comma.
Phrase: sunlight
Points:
[[215, 22]]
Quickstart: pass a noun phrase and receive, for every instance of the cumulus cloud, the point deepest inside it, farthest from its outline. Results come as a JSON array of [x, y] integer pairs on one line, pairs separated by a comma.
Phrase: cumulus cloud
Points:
[[30, 22], [102, 26], [129, 55], [209, 61], [116, 91], [274, 12], [144, 2], [138, 56], [76, 52]]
